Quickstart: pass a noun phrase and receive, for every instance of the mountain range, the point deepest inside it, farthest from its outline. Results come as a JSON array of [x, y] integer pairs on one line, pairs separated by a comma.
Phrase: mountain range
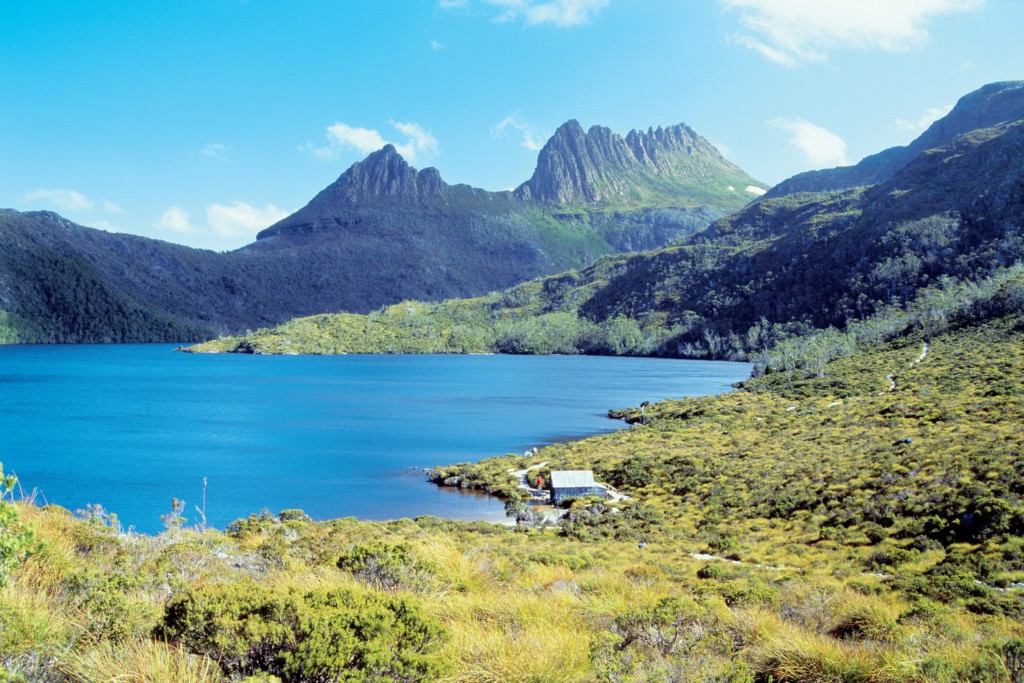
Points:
[[383, 232], [818, 250]]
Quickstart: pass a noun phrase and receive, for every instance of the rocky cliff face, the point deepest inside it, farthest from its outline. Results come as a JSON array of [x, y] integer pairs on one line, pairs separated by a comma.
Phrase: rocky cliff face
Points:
[[989, 106], [601, 167], [383, 175]]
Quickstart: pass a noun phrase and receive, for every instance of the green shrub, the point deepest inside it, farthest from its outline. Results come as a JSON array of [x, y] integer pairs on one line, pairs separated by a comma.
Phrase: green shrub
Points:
[[633, 472], [16, 540], [109, 602], [316, 636], [670, 626], [711, 570], [384, 566]]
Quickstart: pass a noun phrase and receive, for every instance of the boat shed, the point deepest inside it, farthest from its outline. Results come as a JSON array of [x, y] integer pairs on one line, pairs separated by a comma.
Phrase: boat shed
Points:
[[566, 484]]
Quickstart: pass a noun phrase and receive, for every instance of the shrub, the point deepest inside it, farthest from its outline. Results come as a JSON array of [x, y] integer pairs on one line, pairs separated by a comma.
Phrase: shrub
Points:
[[711, 570], [316, 636], [108, 599], [294, 515], [384, 566], [16, 540], [633, 472], [672, 625]]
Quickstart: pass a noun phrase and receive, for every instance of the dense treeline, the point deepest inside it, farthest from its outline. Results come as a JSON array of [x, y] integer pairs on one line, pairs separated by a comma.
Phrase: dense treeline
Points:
[[934, 310]]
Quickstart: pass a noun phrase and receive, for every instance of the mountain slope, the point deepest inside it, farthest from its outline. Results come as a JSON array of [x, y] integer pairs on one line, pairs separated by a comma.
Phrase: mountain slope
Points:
[[991, 105]]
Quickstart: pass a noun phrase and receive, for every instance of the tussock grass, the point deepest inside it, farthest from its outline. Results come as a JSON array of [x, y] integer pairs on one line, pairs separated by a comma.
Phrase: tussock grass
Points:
[[519, 637], [140, 662], [31, 621]]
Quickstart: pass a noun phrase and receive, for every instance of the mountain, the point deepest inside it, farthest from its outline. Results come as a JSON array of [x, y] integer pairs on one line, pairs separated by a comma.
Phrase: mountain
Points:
[[991, 105], [782, 266], [381, 233], [598, 167]]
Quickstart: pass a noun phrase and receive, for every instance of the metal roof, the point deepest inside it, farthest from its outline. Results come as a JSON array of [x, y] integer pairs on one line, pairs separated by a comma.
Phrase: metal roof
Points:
[[572, 479]]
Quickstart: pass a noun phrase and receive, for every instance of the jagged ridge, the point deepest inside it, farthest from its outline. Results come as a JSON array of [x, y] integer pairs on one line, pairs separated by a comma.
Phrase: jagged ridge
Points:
[[601, 167]]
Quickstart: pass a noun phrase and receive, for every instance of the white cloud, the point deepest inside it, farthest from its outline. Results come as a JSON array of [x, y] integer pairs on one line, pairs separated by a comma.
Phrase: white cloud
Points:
[[435, 45], [419, 140], [105, 225], [342, 136], [820, 147], [67, 200], [215, 150], [242, 220], [531, 140], [562, 13], [73, 202], [175, 219], [791, 32], [111, 207], [927, 118], [236, 222]]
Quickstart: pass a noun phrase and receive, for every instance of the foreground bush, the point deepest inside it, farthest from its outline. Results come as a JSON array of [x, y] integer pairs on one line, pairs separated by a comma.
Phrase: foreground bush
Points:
[[315, 637]]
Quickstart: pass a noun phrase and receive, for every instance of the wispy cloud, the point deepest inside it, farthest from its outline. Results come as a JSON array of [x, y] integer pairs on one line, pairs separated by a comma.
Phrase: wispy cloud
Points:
[[242, 220], [67, 200], [792, 32], [341, 137], [70, 200], [175, 219], [234, 221], [562, 13], [435, 45], [531, 140], [111, 207], [921, 123], [820, 147], [216, 151]]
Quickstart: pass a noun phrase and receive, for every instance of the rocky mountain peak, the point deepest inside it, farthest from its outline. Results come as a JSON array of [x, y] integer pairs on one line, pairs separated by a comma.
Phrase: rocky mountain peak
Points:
[[600, 166], [383, 175]]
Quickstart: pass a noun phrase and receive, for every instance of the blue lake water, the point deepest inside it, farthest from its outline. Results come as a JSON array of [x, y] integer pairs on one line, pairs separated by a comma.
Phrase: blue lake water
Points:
[[132, 426]]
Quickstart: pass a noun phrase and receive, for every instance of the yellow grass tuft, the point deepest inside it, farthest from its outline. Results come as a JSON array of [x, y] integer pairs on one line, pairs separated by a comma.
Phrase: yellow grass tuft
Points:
[[140, 662]]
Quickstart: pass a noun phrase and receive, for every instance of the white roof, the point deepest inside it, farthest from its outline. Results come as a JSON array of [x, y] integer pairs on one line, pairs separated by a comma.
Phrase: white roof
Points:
[[572, 479]]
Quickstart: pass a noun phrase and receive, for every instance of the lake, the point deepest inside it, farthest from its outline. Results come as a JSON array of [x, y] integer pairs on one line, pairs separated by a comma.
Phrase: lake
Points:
[[132, 426]]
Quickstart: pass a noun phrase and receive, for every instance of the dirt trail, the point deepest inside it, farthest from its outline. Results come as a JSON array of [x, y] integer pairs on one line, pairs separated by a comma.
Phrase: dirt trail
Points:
[[891, 379]]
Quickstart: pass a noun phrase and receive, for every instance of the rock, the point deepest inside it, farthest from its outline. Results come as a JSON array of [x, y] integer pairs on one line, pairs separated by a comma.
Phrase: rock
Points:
[[577, 167]]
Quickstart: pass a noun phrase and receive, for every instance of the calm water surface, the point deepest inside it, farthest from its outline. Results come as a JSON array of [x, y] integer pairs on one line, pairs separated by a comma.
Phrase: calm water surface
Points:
[[131, 426]]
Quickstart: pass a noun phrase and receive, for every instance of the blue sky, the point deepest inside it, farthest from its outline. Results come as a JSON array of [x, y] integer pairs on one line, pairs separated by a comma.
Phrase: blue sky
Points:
[[203, 121]]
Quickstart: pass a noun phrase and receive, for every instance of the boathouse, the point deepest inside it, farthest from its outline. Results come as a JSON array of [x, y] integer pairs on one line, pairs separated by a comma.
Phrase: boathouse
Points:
[[566, 484]]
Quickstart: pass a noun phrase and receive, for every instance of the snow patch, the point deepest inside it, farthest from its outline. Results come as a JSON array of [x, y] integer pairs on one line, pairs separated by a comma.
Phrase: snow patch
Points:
[[754, 189]]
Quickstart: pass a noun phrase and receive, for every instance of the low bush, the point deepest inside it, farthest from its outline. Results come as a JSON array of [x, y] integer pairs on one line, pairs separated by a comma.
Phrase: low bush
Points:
[[384, 566], [318, 636]]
